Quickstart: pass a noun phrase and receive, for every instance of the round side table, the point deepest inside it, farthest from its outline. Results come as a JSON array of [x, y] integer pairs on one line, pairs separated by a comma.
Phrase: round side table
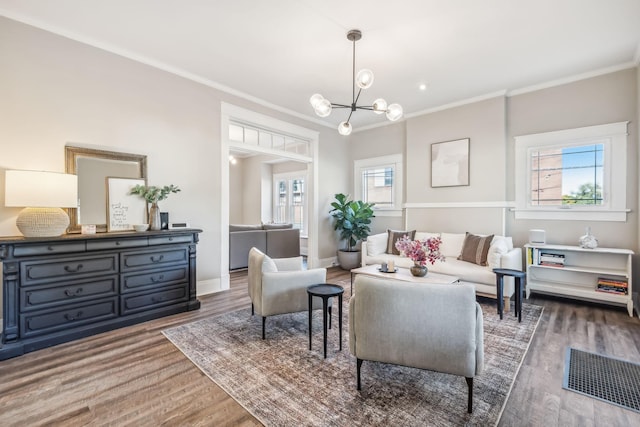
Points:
[[326, 291]]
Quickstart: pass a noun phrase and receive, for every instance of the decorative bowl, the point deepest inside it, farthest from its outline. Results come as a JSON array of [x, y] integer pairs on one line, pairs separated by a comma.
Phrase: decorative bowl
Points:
[[140, 227]]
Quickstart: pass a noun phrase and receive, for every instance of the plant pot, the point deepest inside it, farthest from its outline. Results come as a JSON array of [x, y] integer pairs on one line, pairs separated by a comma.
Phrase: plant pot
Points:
[[349, 260], [419, 270]]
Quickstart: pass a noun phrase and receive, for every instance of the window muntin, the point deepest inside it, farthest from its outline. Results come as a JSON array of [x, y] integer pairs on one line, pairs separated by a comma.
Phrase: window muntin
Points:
[[289, 203], [572, 175], [379, 180]]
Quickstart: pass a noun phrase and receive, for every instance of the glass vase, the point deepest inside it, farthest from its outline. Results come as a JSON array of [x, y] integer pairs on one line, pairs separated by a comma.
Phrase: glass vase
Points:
[[418, 270], [154, 217]]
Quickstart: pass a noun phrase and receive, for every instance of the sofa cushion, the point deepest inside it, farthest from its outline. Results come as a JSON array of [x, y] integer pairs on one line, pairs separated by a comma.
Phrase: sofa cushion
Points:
[[394, 236], [451, 244], [425, 235], [288, 264], [466, 271], [499, 247], [276, 226], [475, 248], [377, 244], [244, 227]]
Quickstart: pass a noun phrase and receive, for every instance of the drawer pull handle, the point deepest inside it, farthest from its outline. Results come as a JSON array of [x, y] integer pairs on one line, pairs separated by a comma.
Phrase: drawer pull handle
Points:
[[158, 259], [68, 269], [117, 243], [49, 248], [72, 294], [156, 280], [71, 318]]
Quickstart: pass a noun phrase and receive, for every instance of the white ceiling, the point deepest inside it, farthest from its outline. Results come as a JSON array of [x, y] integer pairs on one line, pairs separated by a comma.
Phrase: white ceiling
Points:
[[280, 52]]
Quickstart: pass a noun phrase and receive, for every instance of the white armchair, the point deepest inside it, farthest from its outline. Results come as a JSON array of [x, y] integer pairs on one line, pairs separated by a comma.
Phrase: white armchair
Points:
[[420, 325], [279, 285]]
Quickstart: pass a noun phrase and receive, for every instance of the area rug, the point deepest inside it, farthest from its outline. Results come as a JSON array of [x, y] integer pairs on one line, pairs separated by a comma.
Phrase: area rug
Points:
[[603, 377], [283, 383]]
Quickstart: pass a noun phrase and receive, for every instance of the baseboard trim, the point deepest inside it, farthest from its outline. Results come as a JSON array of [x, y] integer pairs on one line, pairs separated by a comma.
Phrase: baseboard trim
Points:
[[205, 287]]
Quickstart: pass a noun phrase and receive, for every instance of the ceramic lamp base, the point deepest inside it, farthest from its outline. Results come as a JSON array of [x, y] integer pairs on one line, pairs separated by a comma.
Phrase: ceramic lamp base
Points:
[[42, 222]]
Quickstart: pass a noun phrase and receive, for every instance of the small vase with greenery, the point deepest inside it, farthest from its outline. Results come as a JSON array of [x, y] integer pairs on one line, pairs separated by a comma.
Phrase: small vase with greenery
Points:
[[153, 195], [351, 219]]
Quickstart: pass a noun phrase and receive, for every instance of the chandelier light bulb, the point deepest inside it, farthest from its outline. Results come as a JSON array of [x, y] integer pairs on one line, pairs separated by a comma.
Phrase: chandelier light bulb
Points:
[[364, 79], [344, 128], [323, 108], [394, 112], [379, 106], [315, 100]]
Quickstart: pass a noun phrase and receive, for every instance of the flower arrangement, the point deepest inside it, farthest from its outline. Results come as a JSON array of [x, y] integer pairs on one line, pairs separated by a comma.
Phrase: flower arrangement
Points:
[[421, 251], [153, 194]]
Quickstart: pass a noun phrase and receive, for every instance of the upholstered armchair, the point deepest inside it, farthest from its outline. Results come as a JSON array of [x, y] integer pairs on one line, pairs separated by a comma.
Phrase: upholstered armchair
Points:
[[427, 326], [279, 285]]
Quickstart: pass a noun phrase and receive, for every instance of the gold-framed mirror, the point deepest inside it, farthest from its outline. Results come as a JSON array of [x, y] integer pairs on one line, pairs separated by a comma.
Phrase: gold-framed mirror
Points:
[[92, 168]]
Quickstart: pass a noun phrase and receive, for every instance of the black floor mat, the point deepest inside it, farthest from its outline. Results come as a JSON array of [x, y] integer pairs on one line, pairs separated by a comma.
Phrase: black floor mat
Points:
[[612, 380]]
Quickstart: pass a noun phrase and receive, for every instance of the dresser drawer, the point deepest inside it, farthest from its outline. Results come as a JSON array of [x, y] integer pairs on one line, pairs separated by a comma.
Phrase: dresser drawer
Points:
[[49, 248], [150, 300], [157, 278], [68, 317], [96, 245], [35, 272], [154, 258], [41, 297], [164, 240]]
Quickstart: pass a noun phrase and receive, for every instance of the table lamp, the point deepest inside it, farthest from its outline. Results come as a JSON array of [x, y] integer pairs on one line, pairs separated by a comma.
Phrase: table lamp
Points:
[[42, 194]]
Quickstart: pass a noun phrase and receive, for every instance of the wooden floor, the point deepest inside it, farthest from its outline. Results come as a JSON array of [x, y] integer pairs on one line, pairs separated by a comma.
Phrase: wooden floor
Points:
[[134, 376]]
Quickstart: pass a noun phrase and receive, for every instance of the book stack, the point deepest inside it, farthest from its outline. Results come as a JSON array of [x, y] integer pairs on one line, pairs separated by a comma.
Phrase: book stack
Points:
[[613, 286], [551, 260]]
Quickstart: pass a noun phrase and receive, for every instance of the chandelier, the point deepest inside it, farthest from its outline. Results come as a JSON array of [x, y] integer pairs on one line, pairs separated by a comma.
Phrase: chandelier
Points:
[[364, 80]]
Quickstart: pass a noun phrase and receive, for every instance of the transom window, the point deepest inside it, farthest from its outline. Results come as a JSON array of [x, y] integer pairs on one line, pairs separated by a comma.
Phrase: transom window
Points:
[[567, 176]]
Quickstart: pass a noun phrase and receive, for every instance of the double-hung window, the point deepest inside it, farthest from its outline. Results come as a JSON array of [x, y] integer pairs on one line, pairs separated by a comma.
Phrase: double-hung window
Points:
[[379, 180], [290, 200], [574, 174]]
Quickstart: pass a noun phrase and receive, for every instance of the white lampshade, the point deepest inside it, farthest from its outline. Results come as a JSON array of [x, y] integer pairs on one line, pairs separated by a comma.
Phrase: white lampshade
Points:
[[323, 108], [379, 106], [364, 78], [394, 112], [344, 128], [42, 194]]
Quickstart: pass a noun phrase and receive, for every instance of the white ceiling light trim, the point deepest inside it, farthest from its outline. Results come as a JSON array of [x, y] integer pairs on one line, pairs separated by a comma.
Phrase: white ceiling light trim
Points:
[[364, 79]]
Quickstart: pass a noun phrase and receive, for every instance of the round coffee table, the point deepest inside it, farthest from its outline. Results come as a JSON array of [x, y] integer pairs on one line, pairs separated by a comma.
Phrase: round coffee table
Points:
[[326, 291]]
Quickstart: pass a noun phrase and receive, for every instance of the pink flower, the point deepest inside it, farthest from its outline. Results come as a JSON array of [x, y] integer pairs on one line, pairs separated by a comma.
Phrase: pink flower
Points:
[[421, 251]]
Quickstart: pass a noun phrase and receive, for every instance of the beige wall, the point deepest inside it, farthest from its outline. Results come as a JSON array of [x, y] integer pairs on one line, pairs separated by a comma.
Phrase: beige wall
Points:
[[55, 91], [236, 188], [604, 99]]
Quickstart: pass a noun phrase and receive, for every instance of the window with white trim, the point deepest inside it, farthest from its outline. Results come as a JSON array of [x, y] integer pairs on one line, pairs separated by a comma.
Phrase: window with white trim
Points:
[[573, 174], [379, 180], [290, 200]]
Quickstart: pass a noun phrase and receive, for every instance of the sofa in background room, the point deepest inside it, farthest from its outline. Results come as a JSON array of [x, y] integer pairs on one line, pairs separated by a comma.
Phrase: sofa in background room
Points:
[[275, 240]]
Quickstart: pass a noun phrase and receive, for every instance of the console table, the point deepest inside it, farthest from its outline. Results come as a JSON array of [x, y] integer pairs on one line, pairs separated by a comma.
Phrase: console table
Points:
[[64, 288]]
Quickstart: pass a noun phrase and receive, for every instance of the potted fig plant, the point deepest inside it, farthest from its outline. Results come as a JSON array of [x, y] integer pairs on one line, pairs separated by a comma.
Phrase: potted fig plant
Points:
[[351, 219], [153, 195]]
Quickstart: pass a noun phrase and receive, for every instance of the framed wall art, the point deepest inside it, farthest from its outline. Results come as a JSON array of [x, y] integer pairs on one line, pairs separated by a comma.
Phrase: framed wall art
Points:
[[124, 209], [450, 163]]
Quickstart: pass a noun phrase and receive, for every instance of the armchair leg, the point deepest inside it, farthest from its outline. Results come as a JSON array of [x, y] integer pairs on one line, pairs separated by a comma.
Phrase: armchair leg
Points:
[[358, 366], [252, 310], [470, 400], [264, 320]]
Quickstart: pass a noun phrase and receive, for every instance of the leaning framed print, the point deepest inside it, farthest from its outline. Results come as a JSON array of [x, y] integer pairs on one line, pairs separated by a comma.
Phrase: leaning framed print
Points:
[[450, 163], [124, 210]]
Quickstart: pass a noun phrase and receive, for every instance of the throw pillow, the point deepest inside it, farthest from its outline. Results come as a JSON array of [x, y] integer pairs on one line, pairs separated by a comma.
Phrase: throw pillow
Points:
[[394, 236], [452, 244], [475, 248], [376, 244], [499, 247], [268, 265]]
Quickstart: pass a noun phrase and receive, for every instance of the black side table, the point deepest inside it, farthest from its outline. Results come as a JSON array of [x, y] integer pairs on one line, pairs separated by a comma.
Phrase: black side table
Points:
[[519, 278], [326, 291]]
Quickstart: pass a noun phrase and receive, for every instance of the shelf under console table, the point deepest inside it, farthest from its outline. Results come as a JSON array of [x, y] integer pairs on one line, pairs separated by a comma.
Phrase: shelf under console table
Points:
[[601, 275], [64, 288]]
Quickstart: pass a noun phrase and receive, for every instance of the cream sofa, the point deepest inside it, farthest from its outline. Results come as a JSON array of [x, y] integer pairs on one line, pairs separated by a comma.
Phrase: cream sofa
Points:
[[501, 254], [441, 327]]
